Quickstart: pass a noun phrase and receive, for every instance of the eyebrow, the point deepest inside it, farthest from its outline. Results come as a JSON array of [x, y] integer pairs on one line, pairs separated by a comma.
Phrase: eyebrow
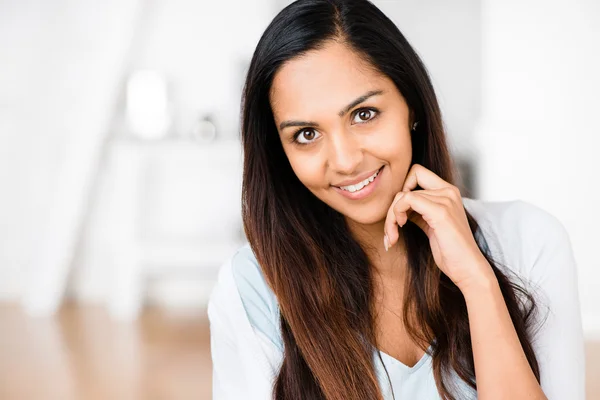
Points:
[[341, 113]]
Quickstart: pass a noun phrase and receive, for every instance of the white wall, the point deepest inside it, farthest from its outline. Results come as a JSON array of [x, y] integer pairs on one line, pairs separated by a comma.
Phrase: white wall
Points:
[[539, 134], [203, 47], [61, 67], [57, 62]]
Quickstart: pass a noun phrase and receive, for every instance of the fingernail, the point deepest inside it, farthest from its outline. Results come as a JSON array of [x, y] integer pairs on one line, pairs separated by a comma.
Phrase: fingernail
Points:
[[386, 242]]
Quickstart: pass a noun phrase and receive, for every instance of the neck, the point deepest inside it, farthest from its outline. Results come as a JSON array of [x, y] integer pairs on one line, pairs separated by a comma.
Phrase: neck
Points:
[[391, 265]]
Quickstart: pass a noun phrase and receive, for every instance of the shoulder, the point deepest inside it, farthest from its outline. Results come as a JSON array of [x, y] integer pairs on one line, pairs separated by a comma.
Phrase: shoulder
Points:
[[524, 235], [241, 278], [516, 216], [243, 356], [258, 298], [537, 246]]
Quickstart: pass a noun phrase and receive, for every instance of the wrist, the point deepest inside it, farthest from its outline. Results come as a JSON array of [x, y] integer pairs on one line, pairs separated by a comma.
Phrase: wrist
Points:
[[479, 284]]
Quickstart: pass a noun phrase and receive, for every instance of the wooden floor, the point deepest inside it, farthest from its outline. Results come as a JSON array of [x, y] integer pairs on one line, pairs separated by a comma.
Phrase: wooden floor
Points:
[[83, 354]]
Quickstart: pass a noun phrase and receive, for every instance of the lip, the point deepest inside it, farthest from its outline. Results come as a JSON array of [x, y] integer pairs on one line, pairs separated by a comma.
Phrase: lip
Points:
[[364, 192], [357, 180]]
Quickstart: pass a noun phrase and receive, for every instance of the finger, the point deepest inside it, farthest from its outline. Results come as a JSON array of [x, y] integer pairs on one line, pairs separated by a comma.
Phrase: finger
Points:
[[437, 196], [447, 191], [421, 176], [441, 196], [391, 223], [429, 210], [394, 219]]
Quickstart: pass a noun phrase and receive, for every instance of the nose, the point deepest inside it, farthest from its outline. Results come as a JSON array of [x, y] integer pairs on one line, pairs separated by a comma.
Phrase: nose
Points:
[[345, 153]]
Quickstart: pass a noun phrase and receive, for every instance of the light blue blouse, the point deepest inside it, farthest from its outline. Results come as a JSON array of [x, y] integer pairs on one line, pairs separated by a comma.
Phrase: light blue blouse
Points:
[[261, 307], [525, 239]]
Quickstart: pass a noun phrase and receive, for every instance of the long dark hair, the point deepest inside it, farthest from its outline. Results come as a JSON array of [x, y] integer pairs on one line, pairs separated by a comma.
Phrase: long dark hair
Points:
[[320, 275]]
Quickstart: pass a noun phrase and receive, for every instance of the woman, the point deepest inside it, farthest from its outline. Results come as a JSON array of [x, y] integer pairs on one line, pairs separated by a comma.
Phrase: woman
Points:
[[367, 275]]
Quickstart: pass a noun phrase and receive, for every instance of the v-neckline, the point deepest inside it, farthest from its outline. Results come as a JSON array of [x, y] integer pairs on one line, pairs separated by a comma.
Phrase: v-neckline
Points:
[[394, 361]]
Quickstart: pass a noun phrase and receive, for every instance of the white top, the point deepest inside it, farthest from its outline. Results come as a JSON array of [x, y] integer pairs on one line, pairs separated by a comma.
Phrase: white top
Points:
[[246, 343]]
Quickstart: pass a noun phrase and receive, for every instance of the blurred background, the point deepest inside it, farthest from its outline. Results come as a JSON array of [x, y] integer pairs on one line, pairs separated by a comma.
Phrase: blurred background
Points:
[[120, 168]]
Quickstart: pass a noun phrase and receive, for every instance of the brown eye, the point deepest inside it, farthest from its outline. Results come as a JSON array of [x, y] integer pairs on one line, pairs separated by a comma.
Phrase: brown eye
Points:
[[365, 115], [309, 135], [305, 136]]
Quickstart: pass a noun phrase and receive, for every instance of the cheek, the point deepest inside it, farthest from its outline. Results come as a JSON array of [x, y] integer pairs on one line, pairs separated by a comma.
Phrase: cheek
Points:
[[399, 151], [308, 171], [389, 135], [391, 145]]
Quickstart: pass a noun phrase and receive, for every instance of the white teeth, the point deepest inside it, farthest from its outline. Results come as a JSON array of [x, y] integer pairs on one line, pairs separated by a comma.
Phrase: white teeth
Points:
[[360, 185]]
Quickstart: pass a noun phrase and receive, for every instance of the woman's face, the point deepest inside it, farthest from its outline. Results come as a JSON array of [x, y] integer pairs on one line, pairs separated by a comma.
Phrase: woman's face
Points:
[[341, 122]]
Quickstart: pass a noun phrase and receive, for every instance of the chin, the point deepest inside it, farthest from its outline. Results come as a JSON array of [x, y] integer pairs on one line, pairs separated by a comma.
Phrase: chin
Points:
[[365, 218], [366, 214]]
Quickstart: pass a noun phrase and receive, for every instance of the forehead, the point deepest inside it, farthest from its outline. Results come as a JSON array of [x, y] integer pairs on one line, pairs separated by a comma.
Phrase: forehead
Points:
[[322, 81]]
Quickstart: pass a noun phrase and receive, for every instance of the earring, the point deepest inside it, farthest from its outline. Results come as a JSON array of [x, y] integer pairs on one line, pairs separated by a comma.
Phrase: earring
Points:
[[414, 127]]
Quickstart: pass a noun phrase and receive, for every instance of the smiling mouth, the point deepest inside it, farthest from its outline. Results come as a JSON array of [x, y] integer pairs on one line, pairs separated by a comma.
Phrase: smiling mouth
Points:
[[361, 185]]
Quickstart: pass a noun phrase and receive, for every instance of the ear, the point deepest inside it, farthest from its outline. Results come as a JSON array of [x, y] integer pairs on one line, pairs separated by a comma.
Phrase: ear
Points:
[[411, 119]]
